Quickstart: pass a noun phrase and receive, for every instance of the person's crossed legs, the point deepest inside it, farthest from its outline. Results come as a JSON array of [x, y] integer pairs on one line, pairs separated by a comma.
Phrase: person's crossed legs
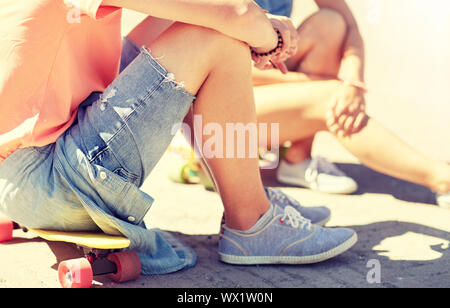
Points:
[[301, 109]]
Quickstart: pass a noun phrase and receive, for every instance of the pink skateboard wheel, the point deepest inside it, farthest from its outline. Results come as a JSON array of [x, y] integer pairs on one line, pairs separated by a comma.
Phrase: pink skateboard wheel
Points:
[[6, 229], [128, 266], [75, 274]]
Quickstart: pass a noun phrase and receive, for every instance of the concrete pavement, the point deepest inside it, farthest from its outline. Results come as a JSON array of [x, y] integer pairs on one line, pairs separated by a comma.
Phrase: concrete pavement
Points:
[[397, 223]]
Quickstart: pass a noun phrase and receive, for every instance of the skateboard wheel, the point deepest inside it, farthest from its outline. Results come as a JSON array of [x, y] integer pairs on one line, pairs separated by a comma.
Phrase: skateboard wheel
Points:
[[128, 266], [76, 273], [6, 229]]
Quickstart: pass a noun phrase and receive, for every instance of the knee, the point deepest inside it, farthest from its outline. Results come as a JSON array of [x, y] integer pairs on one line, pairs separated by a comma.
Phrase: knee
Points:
[[193, 52], [211, 37], [327, 100], [228, 48], [331, 25], [202, 36], [216, 44]]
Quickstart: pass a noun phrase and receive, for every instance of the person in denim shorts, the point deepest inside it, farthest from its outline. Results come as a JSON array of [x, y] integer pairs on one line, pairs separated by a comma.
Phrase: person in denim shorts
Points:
[[113, 128]]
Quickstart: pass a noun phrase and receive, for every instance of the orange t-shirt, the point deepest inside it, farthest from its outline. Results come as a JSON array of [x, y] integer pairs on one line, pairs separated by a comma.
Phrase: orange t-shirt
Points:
[[53, 55]]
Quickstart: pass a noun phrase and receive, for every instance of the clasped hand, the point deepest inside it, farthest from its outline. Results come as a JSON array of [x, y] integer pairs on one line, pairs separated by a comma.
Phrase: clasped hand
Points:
[[289, 49]]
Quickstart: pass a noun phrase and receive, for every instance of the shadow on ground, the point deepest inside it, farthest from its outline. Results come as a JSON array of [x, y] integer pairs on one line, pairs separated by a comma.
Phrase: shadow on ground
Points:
[[347, 270], [370, 181], [409, 254]]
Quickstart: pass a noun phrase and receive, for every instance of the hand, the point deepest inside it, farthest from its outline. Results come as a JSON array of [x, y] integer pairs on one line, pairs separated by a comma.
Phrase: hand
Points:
[[290, 44], [348, 114]]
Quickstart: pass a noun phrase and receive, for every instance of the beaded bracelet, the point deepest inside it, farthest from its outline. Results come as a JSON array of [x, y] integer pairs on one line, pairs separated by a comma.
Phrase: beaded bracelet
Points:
[[269, 53]]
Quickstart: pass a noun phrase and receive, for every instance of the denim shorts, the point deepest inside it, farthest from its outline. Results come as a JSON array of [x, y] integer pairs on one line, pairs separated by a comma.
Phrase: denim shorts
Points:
[[89, 179], [277, 7]]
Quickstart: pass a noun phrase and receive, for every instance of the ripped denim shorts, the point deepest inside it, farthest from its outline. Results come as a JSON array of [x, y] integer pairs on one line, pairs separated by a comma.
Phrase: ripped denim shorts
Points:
[[89, 179]]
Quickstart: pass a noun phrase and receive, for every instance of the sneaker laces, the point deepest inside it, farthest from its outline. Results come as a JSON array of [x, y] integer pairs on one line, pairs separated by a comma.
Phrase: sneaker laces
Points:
[[320, 165], [278, 197], [295, 219]]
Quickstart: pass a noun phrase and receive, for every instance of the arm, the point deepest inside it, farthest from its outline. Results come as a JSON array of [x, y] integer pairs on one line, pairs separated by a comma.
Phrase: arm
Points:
[[240, 19], [352, 65], [348, 113]]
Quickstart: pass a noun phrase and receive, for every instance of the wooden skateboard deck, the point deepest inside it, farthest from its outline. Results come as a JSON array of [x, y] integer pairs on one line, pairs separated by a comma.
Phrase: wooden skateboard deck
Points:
[[85, 239]]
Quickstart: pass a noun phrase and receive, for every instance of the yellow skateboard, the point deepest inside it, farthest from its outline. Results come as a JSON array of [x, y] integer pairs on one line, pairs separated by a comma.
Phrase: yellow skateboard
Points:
[[103, 255]]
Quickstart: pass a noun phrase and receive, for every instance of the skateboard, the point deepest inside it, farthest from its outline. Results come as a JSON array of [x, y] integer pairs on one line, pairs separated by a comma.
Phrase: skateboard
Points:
[[103, 255], [186, 168]]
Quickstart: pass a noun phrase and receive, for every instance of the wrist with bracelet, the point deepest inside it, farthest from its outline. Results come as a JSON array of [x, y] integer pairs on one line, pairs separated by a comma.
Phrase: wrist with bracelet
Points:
[[279, 47]]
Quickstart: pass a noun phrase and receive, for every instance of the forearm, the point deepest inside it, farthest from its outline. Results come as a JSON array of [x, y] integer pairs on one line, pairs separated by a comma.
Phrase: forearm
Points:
[[352, 65], [240, 19]]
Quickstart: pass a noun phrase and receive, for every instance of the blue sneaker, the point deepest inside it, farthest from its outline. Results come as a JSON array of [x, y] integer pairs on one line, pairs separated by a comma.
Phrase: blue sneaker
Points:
[[318, 215], [285, 237]]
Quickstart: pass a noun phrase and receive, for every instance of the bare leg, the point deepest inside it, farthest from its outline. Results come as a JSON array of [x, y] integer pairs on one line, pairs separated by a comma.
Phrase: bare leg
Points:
[[319, 54], [321, 39], [301, 108], [397, 159], [218, 70], [299, 151]]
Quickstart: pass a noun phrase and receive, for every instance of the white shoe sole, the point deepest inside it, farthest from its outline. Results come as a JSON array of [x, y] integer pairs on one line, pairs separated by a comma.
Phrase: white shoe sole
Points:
[[444, 205], [298, 182], [244, 260]]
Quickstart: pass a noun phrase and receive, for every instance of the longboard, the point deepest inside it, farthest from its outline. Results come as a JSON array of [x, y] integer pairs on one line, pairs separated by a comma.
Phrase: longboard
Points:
[[84, 239], [103, 255]]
